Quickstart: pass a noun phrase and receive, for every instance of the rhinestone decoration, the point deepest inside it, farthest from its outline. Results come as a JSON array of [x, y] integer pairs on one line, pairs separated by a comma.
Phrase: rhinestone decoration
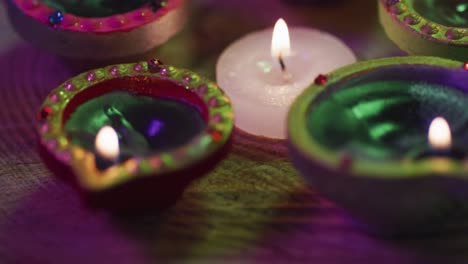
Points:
[[44, 128], [412, 19], [217, 118], [54, 98], [45, 113], [187, 79], [137, 67], [216, 136], [321, 79], [213, 102], [154, 65], [68, 87], [202, 89], [164, 71], [114, 71], [465, 66], [91, 77], [56, 18], [397, 9], [429, 29], [454, 34]]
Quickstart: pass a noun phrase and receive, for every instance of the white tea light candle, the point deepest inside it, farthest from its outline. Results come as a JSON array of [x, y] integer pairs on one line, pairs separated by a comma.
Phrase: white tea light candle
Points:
[[262, 82]]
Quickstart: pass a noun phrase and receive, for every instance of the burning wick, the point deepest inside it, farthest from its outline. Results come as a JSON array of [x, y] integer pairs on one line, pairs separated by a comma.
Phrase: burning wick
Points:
[[440, 136], [280, 43], [128, 134], [439, 139], [107, 143], [281, 62]]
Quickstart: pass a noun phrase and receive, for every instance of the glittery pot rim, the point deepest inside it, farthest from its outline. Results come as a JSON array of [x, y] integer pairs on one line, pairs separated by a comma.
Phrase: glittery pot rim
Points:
[[87, 44], [302, 142], [99, 25], [54, 111], [402, 12]]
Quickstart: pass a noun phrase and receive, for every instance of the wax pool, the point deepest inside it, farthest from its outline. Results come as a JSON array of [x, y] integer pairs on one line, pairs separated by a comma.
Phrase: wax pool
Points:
[[145, 125], [260, 92], [386, 119]]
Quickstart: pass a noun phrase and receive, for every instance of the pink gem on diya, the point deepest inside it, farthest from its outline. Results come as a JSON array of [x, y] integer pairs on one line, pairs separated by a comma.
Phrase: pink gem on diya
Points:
[[97, 29], [131, 139], [386, 140]]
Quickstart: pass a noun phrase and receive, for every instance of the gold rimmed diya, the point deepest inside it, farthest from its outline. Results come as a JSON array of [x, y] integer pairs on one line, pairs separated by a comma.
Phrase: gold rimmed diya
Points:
[[134, 135]]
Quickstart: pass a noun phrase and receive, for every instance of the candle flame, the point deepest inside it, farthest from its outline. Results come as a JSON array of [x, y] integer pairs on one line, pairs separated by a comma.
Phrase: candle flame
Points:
[[107, 143], [440, 136], [280, 43]]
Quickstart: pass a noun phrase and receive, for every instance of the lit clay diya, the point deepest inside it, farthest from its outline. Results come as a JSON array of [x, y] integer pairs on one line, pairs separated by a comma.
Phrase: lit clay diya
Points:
[[134, 136], [97, 29], [386, 140], [427, 27]]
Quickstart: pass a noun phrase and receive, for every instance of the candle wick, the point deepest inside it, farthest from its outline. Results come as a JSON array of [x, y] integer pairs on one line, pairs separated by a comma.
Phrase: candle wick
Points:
[[281, 62], [286, 75]]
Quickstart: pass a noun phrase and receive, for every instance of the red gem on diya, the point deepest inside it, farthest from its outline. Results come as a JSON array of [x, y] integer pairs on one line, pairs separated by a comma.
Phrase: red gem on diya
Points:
[[44, 113], [97, 29], [321, 79], [132, 138], [465, 66]]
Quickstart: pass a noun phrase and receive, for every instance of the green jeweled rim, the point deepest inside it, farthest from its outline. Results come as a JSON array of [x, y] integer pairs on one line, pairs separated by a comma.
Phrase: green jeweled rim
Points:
[[403, 12], [300, 139], [211, 139]]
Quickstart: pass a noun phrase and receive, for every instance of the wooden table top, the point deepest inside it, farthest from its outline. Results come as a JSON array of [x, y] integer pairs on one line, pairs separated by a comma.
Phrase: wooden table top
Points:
[[254, 207]]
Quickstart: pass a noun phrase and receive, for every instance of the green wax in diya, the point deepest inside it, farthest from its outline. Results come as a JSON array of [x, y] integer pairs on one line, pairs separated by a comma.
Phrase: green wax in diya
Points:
[[385, 119], [452, 13], [145, 125], [95, 8]]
